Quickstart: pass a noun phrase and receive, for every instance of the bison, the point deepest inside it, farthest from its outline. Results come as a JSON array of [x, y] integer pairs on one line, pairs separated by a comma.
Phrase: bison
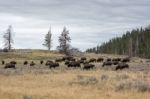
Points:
[[115, 62], [67, 62], [122, 66], [100, 59], [69, 58], [83, 58], [59, 60], [81, 61], [3, 62], [125, 60], [32, 63], [88, 66], [25, 62], [116, 59], [86, 62], [92, 60], [74, 64], [9, 65], [41, 62], [107, 63], [53, 65], [108, 59], [13, 62], [48, 62], [73, 59]]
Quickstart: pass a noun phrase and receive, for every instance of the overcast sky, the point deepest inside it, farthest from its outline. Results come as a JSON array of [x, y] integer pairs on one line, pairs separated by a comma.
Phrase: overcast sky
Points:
[[90, 22]]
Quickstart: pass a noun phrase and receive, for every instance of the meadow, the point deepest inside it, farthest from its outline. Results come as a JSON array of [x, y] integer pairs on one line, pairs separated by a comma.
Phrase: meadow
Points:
[[40, 82]]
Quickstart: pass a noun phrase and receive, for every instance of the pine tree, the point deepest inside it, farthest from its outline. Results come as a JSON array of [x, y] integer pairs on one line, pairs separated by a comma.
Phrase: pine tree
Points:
[[64, 41], [48, 40], [132, 43]]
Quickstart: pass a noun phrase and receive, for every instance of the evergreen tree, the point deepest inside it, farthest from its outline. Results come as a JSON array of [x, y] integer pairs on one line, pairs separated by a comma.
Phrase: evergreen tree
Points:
[[48, 40], [132, 43], [64, 41]]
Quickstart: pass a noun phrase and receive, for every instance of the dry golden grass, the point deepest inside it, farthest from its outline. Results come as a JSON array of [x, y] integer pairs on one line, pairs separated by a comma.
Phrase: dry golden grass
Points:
[[30, 55], [72, 84], [39, 82]]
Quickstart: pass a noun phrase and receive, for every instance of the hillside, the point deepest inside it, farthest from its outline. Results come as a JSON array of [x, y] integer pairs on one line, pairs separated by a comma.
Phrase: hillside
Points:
[[30, 54], [132, 43]]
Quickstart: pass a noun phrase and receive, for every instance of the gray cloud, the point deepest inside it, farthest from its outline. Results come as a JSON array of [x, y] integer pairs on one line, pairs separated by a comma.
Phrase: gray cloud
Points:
[[90, 22]]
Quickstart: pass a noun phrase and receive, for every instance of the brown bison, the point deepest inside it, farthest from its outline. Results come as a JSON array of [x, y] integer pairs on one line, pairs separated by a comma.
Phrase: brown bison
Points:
[[53, 65], [107, 63], [41, 62], [48, 62], [81, 61], [122, 66], [83, 58], [115, 62], [100, 59], [13, 62], [74, 64], [88, 66], [73, 59], [67, 62], [59, 60], [116, 59], [69, 58], [9, 65], [92, 60], [125, 60], [3, 62], [25, 62], [108, 59], [63, 58], [86, 62], [32, 63]]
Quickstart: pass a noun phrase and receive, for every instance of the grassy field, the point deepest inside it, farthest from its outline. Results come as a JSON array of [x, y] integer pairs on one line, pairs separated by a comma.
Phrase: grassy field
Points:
[[40, 82]]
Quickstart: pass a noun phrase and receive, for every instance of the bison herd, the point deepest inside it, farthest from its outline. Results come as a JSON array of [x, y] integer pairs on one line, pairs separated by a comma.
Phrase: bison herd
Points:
[[83, 62]]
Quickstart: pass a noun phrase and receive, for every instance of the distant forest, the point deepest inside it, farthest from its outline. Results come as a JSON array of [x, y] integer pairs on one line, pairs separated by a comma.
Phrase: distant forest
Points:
[[133, 43]]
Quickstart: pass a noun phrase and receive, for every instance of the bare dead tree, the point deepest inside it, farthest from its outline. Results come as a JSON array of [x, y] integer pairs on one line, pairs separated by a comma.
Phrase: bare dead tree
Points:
[[8, 38], [130, 47], [137, 46]]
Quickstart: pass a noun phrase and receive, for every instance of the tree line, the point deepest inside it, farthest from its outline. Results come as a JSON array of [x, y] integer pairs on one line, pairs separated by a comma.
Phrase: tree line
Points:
[[133, 43], [63, 47]]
